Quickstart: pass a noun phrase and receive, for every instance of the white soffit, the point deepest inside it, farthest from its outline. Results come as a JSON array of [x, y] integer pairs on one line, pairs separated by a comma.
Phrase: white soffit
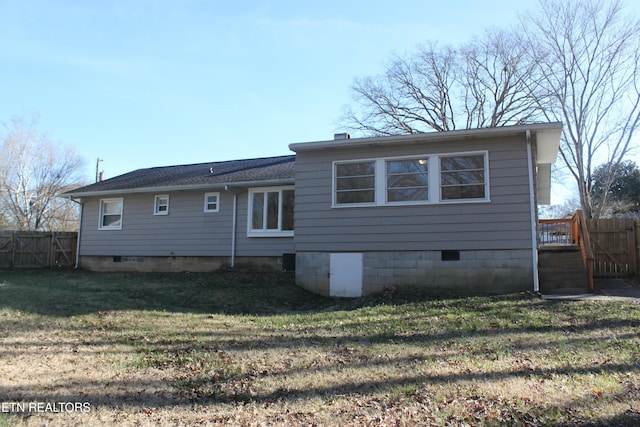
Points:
[[548, 145], [544, 184]]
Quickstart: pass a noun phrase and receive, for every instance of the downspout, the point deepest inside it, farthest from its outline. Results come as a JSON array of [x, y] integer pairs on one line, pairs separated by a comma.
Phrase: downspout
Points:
[[79, 231], [233, 230], [233, 226], [532, 211]]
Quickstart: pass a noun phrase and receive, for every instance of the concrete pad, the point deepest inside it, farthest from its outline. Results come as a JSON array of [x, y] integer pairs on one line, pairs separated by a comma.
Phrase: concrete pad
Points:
[[590, 297], [605, 290]]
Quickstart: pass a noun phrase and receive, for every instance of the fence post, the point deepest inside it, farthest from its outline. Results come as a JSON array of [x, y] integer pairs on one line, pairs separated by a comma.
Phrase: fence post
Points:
[[13, 250], [636, 235], [52, 249]]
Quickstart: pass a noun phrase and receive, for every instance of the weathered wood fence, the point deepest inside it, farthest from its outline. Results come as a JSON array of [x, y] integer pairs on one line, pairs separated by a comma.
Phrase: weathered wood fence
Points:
[[35, 249], [616, 250]]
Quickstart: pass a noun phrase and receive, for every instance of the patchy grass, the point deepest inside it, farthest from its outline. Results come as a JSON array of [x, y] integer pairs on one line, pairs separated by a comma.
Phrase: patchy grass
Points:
[[252, 349]]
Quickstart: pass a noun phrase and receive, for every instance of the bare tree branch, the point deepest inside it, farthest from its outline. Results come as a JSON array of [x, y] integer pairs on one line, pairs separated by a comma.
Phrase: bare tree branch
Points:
[[33, 170], [486, 83], [588, 57]]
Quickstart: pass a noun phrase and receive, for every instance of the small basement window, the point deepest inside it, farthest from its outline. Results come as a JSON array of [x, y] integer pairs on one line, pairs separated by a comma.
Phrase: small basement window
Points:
[[450, 255]]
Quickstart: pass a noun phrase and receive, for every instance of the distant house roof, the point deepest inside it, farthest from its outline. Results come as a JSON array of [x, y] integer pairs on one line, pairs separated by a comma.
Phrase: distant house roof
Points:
[[241, 173]]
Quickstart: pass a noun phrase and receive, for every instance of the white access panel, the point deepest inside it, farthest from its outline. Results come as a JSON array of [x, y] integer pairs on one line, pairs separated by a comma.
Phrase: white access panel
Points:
[[345, 275]]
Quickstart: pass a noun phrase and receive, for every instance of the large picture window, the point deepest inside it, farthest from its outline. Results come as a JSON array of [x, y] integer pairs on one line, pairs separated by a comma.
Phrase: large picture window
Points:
[[462, 177], [428, 179], [271, 212], [110, 214]]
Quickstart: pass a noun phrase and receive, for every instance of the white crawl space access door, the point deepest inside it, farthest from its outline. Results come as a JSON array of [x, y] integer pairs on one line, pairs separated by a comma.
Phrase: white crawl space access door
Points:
[[345, 275]]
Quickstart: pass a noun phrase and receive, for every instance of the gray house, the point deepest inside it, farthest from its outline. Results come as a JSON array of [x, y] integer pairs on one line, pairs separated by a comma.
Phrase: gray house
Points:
[[453, 211], [189, 218]]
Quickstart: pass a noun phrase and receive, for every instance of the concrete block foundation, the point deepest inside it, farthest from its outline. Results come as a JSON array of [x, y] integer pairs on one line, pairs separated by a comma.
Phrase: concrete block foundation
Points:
[[467, 273], [176, 264]]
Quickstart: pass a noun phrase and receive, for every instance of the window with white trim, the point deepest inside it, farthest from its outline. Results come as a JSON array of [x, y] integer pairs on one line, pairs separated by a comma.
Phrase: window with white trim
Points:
[[270, 212], [407, 180], [436, 178], [212, 202], [462, 177], [355, 182], [161, 205], [110, 214]]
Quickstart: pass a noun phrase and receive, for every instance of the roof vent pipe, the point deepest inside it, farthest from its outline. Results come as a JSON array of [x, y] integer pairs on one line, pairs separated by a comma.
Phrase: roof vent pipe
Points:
[[340, 136]]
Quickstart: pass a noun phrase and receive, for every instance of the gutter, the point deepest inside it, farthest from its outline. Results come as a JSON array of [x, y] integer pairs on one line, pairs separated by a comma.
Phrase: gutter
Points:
[[532, 210], [167, 188]]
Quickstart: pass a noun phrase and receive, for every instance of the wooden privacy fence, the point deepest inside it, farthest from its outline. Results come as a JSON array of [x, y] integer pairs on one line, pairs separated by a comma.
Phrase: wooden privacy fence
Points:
[[615, 247], [36, 249]]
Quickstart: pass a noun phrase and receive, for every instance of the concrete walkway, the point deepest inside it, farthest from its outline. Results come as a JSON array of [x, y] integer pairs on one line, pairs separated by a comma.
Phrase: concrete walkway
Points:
[[605, 290]]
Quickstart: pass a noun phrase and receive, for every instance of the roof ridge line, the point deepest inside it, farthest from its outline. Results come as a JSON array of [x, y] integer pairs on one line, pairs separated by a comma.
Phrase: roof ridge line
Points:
[[278, 160], [211, 162]]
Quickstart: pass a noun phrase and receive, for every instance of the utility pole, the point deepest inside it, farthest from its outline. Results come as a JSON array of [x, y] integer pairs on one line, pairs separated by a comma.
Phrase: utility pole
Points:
[[98, 160]]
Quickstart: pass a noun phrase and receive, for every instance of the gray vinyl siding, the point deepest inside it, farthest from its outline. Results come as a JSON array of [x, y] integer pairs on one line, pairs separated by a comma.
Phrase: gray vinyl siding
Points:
[[186, 231], [502, 223]]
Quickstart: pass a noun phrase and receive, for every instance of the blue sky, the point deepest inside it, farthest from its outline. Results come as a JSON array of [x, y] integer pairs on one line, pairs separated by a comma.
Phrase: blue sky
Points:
[[142, 83]]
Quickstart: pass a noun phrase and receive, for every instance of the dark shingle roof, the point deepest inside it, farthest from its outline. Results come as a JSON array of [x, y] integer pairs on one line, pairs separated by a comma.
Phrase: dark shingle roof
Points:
[[216, 174]]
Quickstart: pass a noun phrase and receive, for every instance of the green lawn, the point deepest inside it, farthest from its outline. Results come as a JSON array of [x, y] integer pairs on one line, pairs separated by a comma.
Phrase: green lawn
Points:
[[245, 349]]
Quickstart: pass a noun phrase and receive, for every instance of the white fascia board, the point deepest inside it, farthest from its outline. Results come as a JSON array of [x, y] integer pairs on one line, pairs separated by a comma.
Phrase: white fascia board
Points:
[[548, 130], [547, 145]]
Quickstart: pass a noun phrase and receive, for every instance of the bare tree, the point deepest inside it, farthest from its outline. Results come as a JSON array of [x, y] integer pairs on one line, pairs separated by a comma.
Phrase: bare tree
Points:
[[4, 224], [485, 83], [563, 210], [412, 96], [498, 79], [33, 170], [588, 57]]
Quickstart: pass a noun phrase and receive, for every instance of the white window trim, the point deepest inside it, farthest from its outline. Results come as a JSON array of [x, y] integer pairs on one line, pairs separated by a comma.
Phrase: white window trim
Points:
[[334, 188], [206, 196], [101, 214], [487, 197], [267, 233], [431, 161], [435, 197], [155, 204], [334, 181]]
